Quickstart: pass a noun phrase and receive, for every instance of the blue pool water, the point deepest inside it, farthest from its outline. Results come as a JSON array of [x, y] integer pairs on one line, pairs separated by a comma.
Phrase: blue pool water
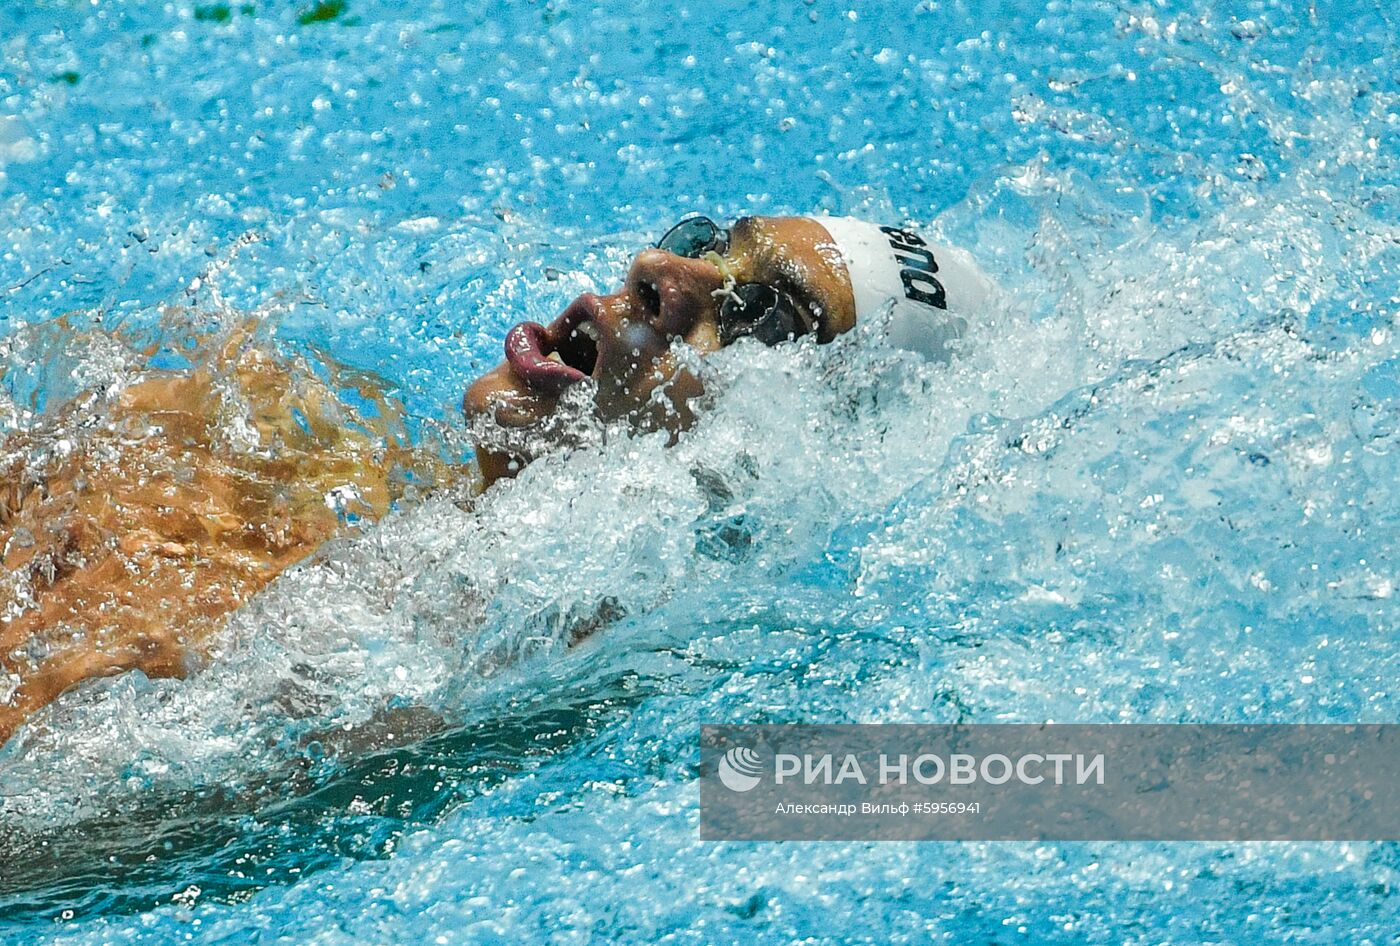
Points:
[[1160, 485]]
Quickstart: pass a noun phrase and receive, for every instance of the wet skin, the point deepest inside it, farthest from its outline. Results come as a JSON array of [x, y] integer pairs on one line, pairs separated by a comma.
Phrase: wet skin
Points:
[[623, 341], [131, 550]]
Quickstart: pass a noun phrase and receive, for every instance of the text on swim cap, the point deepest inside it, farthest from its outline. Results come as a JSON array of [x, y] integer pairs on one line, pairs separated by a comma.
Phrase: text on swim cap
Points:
[[917, 267]]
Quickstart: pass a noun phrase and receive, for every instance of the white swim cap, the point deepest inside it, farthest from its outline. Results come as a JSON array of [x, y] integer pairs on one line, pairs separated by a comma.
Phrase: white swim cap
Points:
[[929, 289]]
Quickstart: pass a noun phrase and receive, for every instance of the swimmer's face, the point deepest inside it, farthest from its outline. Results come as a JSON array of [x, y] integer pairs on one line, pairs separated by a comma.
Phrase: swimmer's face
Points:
[[624, 341]]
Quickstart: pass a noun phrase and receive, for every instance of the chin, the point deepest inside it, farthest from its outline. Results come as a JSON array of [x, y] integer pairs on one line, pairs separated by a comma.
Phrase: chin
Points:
[[513, 423]]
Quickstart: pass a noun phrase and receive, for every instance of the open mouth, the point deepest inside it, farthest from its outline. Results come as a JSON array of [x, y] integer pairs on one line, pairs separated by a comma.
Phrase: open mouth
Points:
[[564, 353]]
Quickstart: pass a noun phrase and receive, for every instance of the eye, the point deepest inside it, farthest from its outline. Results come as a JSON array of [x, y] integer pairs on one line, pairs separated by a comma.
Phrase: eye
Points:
[[761, 311]]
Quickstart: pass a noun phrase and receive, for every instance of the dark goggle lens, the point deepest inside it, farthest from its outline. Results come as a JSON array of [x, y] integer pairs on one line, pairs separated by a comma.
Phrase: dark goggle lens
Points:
[[693, 238], [761, 312]]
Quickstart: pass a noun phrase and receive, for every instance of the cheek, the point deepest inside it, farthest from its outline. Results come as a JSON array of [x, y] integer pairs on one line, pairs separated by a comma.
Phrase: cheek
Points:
[[704, 335], [642, 343], [634, 355], [662, 396], [685, 305]]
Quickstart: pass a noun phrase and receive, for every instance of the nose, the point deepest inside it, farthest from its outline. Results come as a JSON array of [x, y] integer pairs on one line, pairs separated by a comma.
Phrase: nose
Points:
[[669, 293]]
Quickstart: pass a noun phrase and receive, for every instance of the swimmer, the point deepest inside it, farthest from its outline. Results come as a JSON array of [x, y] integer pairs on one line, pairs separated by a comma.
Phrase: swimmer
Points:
[[770, 278], [128, 548]]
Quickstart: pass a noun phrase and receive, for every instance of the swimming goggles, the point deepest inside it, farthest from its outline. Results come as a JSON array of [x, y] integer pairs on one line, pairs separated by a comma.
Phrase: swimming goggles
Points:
[[750, 309]]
